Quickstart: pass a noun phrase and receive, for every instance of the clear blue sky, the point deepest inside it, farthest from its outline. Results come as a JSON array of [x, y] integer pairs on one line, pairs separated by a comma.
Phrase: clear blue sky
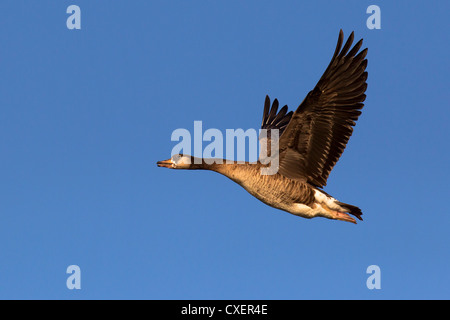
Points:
[[85, 114]]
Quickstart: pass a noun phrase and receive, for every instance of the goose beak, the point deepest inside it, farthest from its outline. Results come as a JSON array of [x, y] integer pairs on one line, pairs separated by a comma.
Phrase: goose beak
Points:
[[165, 163]]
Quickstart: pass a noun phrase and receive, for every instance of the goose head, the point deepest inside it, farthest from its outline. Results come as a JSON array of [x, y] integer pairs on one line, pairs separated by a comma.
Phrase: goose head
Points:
[[181, 161]]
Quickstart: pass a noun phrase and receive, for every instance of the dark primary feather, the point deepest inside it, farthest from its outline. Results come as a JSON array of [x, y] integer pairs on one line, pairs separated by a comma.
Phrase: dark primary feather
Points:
[[320, 128], [274, 120]]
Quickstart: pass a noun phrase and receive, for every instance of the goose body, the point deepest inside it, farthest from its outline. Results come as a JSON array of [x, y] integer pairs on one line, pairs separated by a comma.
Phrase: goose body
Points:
[[311, 140]]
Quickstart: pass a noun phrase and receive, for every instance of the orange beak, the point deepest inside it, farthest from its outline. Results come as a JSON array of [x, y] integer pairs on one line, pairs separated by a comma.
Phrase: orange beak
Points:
[[165, 163]]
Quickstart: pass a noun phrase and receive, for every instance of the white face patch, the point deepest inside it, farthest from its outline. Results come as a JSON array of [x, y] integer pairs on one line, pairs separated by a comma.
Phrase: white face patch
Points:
[[181, 160]]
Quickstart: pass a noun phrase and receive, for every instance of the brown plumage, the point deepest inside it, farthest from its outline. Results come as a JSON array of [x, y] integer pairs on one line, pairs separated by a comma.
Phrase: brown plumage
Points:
[[311, 141], [320, 128]]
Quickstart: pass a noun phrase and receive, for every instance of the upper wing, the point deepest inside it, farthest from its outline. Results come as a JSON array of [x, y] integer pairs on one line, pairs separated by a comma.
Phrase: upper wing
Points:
[[272, 120], [320, 128]]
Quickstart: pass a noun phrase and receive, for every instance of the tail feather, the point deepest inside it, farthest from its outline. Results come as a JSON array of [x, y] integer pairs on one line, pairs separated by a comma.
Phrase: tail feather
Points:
[[354, 210]]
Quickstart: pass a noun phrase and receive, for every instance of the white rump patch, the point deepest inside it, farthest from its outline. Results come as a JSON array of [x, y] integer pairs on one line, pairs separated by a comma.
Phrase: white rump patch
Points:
[[330, 202]]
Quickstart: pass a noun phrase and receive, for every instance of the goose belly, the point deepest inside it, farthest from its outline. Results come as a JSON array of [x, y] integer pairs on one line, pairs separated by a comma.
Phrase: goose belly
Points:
[[300, 200], [294, 197]]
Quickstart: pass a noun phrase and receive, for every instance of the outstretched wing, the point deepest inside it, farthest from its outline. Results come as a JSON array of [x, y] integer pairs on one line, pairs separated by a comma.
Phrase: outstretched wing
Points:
[[272, 119], [320, 128]]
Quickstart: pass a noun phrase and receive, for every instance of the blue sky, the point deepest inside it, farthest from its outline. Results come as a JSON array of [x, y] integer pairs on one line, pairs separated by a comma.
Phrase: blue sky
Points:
[[85, 114]]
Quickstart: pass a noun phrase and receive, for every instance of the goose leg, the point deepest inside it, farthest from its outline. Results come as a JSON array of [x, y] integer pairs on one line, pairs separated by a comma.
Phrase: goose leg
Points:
[[336, 215], [342, 216]]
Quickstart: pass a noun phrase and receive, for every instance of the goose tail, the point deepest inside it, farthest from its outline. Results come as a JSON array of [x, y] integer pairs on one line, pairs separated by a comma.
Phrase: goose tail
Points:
[[353, 210]]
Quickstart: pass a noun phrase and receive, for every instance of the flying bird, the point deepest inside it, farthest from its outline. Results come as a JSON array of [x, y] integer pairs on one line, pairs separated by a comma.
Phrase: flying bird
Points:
[[311, 141]]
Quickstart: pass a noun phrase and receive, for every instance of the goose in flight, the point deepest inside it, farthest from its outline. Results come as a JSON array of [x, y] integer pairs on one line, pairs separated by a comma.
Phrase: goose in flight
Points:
[[311, 141]]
